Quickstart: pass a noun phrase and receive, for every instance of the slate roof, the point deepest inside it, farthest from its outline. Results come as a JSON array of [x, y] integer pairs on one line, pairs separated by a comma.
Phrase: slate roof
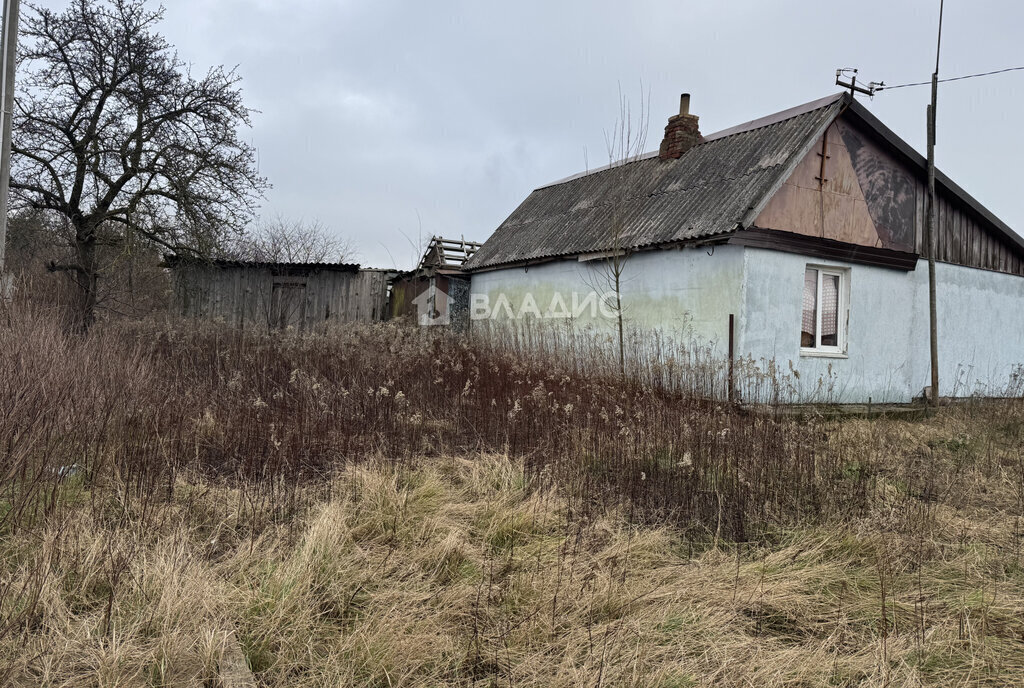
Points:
[[714, 188]]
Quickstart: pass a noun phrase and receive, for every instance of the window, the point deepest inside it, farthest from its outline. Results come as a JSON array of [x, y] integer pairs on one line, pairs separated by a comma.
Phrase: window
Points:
[[823, 325]]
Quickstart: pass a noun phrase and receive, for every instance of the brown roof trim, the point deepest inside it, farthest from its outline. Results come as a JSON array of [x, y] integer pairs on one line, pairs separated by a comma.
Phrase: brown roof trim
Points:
[[830, 249], [520, 264], [771, 239], [575, 257]]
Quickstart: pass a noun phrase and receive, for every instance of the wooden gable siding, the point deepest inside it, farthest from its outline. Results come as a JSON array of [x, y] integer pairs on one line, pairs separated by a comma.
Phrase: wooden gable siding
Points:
[[872, 197], [245, 296], [962, 238], [829, 207]]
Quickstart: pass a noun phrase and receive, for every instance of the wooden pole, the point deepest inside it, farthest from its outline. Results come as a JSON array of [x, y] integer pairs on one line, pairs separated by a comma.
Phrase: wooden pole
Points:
[[930, 241], [9, 40], [930, 224], [732, 357]]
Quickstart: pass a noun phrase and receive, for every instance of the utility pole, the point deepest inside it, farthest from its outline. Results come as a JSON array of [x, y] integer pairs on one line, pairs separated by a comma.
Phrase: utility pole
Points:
[[929, 235], [9, 37]]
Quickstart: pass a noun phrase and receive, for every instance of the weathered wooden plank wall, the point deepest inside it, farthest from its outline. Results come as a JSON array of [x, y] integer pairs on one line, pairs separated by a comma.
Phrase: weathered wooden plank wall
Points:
[[243, 296], [411, 297], [962, 238]]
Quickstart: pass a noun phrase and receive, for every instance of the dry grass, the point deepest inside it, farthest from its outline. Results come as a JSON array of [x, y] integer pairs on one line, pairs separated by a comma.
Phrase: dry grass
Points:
[[453, 572], [433, 541]]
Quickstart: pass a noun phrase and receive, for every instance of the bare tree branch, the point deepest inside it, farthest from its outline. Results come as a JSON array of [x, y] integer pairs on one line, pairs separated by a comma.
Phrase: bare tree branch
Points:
[[625, 146], [291, 241]]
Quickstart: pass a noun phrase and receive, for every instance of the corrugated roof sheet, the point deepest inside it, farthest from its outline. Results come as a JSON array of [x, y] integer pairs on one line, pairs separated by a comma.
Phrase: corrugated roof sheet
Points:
[[708, 191], [175, 260]]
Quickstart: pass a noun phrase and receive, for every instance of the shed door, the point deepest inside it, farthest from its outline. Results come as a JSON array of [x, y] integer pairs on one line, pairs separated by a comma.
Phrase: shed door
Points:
[[288, 305]]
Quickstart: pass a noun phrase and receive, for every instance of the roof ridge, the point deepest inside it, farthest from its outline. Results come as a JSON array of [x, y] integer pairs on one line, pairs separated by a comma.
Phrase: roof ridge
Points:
[[776, 117], [751, 125]]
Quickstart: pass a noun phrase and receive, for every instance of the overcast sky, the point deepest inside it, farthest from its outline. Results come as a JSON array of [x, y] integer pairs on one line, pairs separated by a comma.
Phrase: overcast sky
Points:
[[386, 120]]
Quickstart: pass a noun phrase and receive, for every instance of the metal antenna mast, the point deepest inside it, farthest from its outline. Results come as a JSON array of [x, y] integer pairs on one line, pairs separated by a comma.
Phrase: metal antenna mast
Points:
[[851, 73]]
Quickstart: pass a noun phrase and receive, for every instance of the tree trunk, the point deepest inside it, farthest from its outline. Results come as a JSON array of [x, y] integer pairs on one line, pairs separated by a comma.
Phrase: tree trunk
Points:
[[86, 274], [618, 312]]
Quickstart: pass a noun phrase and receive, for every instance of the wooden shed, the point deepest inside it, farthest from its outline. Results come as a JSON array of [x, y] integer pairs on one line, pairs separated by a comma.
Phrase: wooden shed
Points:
[[279, 295]]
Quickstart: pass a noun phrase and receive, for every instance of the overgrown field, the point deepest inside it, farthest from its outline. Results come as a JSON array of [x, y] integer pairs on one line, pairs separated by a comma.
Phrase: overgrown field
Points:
[[385, 506]]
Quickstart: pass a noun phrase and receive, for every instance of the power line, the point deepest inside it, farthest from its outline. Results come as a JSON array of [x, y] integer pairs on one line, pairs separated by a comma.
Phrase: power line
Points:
[[883, 87]]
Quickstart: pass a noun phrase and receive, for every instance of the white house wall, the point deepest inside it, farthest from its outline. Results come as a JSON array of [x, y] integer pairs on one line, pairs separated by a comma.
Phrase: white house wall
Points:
[[980, 327], [691, 292], [980, 320], [688, 291]]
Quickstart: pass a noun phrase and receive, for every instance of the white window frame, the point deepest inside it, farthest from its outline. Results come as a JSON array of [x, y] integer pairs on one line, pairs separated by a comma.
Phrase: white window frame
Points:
[[842, 314]]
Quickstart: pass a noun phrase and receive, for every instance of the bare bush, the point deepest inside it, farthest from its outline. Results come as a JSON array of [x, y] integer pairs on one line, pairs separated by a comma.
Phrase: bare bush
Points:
[[131, 280], [406, 505], [291, 241]]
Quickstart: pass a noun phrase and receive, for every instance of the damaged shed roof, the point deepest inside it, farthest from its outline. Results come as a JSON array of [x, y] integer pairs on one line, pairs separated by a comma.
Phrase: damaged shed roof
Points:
[[172, 261], [711, 189]]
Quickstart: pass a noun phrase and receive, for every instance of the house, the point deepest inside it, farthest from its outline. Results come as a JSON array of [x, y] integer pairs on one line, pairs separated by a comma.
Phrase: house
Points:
[[263, 295], [436, 292], [804, 228]]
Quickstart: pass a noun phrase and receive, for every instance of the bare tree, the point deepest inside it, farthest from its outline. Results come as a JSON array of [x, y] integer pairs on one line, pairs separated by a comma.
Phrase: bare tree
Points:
[[625, 146], [291, 241], [113, 134]]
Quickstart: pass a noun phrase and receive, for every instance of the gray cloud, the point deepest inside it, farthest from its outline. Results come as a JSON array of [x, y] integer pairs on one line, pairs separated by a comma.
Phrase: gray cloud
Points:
[[374, 113]]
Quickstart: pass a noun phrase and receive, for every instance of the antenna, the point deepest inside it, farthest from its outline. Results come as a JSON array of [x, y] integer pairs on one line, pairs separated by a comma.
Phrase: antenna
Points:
[[851, 73]]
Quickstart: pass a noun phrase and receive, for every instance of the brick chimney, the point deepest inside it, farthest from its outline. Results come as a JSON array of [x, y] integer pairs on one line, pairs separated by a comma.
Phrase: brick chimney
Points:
[[681, 132]]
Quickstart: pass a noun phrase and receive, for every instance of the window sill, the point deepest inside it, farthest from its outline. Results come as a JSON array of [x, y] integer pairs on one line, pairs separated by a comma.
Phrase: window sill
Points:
[[814, 353]]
